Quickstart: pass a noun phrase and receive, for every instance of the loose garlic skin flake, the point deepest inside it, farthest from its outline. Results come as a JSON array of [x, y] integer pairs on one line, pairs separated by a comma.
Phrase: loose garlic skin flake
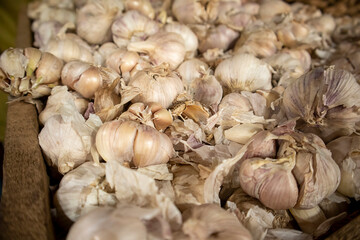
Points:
[[126, 141]]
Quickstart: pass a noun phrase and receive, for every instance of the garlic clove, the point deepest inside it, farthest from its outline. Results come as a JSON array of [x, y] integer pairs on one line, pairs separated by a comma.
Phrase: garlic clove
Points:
[[49, 69], [162, 47], [191, 69], [143, 6], [162, 119], [34, 56], [151, 148], [243, 132], [308, 219]]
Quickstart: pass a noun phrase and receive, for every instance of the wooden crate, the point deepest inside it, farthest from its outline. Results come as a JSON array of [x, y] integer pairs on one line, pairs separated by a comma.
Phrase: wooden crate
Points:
[[25, 202]]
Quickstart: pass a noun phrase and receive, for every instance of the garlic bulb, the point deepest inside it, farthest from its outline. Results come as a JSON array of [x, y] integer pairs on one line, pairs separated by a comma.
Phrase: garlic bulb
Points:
[[272, 8], [67, 138], [43, 12], [129, 141], [162, 47], [13, 63], [29, 71], [243, 72], [82, 190], [159, 84], [99, 16], [69, 47], [345, 153], [209, 221], [325, 101], [142, 6], [219, 37], [82, 77], [258, 41], [325, 24], [289, 65], [191, 69], [293, 34], [189, 37], [121, 222], [132, 26], [206, 90], [302, 159], [44, 31], [60, 96], [189, 11]]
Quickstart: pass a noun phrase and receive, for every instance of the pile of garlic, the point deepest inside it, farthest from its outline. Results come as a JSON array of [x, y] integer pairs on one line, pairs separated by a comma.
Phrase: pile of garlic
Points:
[[185, 119]]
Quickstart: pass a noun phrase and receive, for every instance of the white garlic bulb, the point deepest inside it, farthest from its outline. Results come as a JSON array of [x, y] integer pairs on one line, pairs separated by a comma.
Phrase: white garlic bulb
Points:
[[191, 69], [13, 63], [219, 37], [325, 101], [82, 190], [122, 222], [69, 47], [82, 77], [272, 8], [243, 72], [258, 41], [162, 47], [345, 153], [132, 26], [190, 39], [97, 16], [44, 31], [67, 138], [160, 85], [189, 11], [301, 161], [129, 141], [43, 12]]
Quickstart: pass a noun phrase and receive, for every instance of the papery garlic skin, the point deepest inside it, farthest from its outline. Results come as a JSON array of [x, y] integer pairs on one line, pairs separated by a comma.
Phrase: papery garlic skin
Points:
[[132, 26], [162, 47], [126, 141], [243, 72], [160, 85], [345, 153], [83, 190], [334, 93], [122, 61], [97, 15], [82, 77], [209, 221], [190, 39]]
